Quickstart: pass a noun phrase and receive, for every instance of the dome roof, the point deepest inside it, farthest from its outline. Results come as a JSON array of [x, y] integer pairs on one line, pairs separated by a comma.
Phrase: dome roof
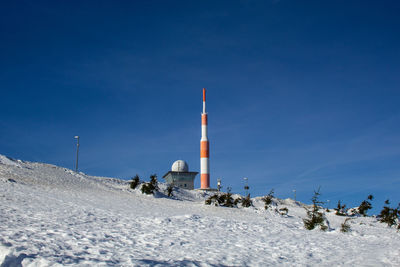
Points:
[[180, 166]]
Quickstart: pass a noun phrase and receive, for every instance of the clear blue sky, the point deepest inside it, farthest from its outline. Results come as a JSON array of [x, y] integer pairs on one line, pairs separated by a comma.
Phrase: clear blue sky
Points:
[[301, 94]]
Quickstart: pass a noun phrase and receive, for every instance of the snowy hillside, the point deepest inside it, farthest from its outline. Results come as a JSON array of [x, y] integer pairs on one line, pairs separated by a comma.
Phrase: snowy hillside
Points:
[[52, 216]]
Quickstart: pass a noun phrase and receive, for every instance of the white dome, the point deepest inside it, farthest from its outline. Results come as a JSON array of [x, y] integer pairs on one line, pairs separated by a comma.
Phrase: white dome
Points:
[[180, 166]]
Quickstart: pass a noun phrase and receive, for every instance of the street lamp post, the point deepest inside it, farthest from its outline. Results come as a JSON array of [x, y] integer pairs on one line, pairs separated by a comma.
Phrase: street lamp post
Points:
[[77, 152], [246, 185]]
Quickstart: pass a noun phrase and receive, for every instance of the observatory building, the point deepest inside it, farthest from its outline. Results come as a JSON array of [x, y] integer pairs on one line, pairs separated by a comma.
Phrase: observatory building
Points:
[[180, 176]]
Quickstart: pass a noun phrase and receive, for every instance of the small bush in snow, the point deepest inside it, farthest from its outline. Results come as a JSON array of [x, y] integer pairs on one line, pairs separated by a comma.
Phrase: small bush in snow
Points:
[[237, 201], [147, 188], [225, 200], [282, 211], [247, 202], [170, 189], [150, 187], [389, 215], [268, 199], [135, 182], [365, 206], [315, 217], [345, 226], [214, 199], [340, 209], [153, 181]]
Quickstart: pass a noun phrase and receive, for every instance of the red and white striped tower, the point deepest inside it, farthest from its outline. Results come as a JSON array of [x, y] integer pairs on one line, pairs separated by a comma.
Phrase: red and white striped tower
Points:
[[204, 148]]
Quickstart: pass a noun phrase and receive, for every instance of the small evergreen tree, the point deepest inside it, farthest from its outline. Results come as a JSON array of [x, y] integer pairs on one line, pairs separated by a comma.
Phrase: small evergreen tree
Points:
[[340, 209], [229, 202], [147, 188], [170, 189], [208, 201], [345, 226], [135, 182], [247, 202], [365, 206], [268, 199], [153, 181], [225, 200], [315, 217], [389, 215], [214, 199], [236, 201]]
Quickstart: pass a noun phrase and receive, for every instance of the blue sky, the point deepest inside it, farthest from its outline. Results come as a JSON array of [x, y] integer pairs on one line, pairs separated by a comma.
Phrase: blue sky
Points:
[[301, 94]]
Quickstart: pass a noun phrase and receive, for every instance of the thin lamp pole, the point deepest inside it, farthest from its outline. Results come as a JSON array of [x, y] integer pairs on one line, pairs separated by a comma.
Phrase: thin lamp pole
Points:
[[77, 153], [246, 185]]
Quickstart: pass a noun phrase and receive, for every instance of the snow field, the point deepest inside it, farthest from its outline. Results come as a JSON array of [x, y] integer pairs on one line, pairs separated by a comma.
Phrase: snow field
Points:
[[52, 216]]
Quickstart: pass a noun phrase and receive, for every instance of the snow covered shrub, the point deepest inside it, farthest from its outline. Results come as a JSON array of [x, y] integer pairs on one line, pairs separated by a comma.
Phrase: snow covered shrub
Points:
[[170, 188], [147, 188], [365, 206], [135, 182], [237, 201], [268, 199], [282, 211], [314, 216], [389, 215], [341, 209], [225, 200], [246, 202], [214, 199], [345, 226]]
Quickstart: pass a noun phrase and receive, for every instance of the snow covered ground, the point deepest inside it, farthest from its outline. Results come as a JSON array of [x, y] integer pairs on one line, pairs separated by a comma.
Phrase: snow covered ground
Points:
[[52, 216]]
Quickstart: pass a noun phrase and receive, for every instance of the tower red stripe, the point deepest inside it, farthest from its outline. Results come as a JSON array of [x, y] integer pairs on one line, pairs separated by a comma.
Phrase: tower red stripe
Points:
[[204, 149], [204, 119], [205, 180]]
